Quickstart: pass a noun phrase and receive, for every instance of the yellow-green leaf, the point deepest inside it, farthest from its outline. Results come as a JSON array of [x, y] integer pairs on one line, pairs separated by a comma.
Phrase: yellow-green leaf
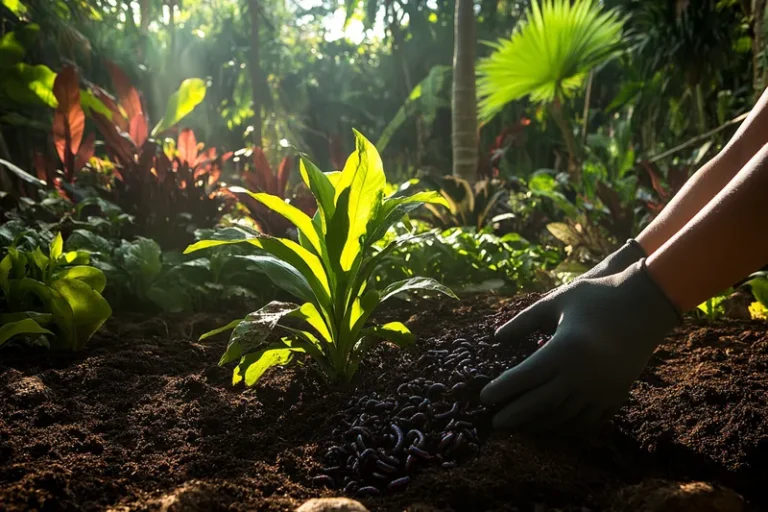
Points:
[[181, 103], [92, 276], [57, 247], [253, 366], [26, 326], [363, 175]]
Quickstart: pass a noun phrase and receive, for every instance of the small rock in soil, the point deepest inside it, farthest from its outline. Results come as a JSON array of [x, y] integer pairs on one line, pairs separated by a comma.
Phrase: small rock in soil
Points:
[[190, 497], [332, 505], [665, 496]]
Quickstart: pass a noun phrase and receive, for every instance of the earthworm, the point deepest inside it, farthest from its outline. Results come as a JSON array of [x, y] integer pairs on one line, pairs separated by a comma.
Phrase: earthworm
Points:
[[369, 452], [360, 431], [324, 480], [409, 462], [379, 476], [389, 459], [398, 483], [419, 418], [462, 424], [416, 434], [446, 440], [458, 387], [448, 414], [368, 490], [407, 411], [398, 436], [448, 465], [361, 443], [423, 406], [415, 399], [437, 388], [418, 452], [351, 487], [384, 467], [403, 388]]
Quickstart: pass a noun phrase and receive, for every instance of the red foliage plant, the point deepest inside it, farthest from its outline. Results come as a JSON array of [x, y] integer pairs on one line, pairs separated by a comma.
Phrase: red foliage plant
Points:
[[74, 151], [665, 188], [171, 192], [259, 177]]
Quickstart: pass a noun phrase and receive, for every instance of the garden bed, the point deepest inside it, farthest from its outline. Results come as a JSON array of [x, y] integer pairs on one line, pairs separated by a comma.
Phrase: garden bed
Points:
[[144, 419]]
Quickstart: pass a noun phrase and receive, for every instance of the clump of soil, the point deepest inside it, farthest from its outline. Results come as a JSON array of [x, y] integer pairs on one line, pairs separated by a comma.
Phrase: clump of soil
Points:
[[145, 420]]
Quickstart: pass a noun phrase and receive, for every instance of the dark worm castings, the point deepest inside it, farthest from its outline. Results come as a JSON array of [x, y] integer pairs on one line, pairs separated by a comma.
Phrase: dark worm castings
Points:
[[384, 441]]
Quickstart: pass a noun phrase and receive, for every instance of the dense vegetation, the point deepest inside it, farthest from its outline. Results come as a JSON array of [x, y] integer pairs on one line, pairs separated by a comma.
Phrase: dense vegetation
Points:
[[535, 160]]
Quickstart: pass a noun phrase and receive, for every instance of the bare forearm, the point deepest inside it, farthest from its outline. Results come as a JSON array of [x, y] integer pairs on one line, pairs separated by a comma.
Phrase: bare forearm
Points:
[[722, 243], [709, 179]]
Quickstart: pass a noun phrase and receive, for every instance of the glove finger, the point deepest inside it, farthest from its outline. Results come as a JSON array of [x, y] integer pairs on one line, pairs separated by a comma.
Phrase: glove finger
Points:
[[536, 370], [588, 419], [539, 316], [532, 404], [564, 413]]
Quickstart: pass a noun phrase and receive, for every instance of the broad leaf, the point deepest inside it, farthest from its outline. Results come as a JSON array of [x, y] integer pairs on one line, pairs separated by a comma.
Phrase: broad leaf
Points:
[[323, 190], [298, 218], [396, 332], [252, 332], [182, 102], [415, 283], [92, 276], [57, 247], [231, 325], [310, 314], [69, 118], [253, 366], [40, 318], [30, 85], [24, 175], [282, 274], [26, 326], [89, 309], [363, 175], [394, 209]]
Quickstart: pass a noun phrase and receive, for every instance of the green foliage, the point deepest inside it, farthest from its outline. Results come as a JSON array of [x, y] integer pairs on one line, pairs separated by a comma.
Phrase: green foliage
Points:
[[190, 94], [143, 276], [329, 271], [550, 55], [465, 204], [466, 260], [57, 294]]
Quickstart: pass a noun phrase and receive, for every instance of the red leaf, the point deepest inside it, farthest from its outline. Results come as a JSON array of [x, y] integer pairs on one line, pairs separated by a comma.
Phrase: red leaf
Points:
[[117, 145], [656, 180], [126, 93], [41, 167], [69, 118], [187, 146], [87, 149], [117, 116], [283, 173], [138, 130], [263, 179]]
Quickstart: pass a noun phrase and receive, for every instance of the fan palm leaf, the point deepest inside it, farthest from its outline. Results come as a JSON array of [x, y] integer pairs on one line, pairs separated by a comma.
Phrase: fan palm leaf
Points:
[[548, 57]]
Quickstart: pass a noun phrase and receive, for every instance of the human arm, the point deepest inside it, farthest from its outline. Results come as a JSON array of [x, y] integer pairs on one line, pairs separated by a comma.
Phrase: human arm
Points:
[[710, 179], [606, 329]]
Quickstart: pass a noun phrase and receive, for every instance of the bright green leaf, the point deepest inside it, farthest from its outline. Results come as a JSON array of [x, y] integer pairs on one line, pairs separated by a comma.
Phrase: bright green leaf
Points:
[[181, 103], [396, 332], [57, 247], [251, 333], [89, 309], [26, 326], [92, 276], [415, 283], [231, 325], [253, 366]]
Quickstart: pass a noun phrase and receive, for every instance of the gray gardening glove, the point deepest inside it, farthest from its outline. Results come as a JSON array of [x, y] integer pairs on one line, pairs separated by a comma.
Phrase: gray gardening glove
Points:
[[617, 261], [605, 331]]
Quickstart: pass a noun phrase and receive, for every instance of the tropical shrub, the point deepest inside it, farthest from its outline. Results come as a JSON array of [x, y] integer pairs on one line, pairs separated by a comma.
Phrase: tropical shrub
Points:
[[465, 259], [57, 294], [329, 271], [465, 204]]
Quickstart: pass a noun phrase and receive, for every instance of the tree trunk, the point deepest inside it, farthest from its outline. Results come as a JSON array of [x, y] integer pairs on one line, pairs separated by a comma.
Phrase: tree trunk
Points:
[[464, 97], [759, 72], [255, 72]]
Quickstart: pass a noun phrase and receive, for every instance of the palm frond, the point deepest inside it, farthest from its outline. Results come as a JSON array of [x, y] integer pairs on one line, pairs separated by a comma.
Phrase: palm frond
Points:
[[548, 57]]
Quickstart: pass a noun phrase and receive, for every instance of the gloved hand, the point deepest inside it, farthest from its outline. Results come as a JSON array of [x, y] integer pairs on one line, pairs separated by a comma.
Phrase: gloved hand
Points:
[[617, 261], [605, 331]]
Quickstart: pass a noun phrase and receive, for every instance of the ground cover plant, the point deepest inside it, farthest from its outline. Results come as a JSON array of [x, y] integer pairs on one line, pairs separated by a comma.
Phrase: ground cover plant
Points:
[[55, 293], [329, 270]]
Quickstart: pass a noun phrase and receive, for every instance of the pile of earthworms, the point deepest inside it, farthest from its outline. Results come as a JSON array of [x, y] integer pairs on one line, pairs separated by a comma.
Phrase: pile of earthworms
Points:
[[433, 420]]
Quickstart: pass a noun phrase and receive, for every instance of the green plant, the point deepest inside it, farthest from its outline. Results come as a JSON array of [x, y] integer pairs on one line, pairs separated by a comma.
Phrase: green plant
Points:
[[329, 270], [56, 294], [547, 59], [259, 177], [465, 204], [465, 259]]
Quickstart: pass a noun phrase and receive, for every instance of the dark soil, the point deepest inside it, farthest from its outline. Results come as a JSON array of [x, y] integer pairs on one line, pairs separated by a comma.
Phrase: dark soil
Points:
[[145, 420]]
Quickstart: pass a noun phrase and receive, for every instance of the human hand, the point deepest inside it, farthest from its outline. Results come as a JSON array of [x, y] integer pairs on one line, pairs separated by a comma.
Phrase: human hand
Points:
[[605, 331]]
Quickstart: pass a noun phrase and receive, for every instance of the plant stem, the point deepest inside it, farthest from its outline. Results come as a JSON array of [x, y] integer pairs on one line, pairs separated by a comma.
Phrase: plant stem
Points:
[[556, 109]]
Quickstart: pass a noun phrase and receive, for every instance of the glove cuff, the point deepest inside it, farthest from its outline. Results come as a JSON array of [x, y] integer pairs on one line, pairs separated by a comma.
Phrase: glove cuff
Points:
[[665, 310], [635, 247]]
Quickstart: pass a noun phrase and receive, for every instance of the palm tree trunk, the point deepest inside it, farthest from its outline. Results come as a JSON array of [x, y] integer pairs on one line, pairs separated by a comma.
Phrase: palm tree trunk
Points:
[[464, 97], [255, 72], [574, 170]]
